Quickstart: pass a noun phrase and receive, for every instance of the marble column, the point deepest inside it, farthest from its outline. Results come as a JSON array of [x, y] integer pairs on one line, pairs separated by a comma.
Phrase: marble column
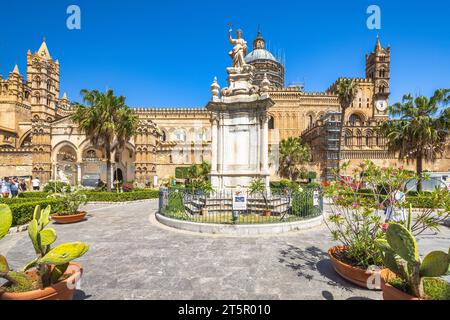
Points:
[[265, 145], [214, 147], [79, 173]]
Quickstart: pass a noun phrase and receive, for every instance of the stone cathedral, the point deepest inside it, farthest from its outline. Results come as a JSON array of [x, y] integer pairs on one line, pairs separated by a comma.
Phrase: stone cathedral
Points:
[[37, 137]]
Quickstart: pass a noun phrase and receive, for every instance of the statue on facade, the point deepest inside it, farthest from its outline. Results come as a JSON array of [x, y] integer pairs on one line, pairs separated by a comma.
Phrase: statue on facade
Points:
[[239, 50]]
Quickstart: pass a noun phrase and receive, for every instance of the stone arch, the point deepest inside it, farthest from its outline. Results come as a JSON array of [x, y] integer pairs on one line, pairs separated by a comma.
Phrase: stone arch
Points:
[[57, 148], [356, 116], [25, 139]]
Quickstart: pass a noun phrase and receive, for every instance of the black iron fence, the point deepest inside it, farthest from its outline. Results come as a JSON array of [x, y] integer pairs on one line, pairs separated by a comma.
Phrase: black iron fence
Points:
[[227, 207]]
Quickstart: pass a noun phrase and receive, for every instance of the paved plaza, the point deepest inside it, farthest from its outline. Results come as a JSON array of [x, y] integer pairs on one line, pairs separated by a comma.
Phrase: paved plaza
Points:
[[132, 256]]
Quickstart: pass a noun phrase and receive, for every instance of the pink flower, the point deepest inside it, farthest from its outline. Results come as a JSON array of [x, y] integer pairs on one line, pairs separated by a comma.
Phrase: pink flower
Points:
[[384, 227]]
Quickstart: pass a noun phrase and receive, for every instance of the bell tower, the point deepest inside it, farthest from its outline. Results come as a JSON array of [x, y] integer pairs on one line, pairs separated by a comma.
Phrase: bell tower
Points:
[[378, 69], [43, 79]]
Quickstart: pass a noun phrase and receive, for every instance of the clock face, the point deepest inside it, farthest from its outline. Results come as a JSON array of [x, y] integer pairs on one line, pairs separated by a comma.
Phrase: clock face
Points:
[[381, 105]]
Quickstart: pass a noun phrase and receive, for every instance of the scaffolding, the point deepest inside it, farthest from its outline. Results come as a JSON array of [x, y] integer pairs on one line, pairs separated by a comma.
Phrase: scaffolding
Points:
[[332, 123]]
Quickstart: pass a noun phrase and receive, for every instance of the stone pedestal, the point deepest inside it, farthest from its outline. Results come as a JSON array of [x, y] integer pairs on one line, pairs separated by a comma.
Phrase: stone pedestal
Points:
[[239, 140]]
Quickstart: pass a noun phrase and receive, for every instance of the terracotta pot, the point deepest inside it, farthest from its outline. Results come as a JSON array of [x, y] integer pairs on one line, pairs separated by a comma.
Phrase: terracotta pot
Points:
[[390, 292], [70, 218], [63, 290], [353, 274]]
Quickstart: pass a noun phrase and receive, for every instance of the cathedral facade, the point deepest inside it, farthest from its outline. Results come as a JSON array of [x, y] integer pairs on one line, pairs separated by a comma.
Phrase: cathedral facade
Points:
[[37, 137]]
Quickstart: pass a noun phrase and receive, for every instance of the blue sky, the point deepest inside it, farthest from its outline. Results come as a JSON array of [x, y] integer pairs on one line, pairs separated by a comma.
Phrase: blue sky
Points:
[[166, 53]]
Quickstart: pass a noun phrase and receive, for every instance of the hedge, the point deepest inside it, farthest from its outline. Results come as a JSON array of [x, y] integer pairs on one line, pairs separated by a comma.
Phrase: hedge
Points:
[[33, 194], [121, 197], [23, 212], [181, 172]]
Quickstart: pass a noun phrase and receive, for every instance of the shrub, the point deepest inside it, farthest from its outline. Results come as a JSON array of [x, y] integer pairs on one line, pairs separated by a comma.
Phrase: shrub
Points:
[[23, 212], [56, 187], [303, 203], [175, 203], [31, 194], [127, 187], [121, 197], [182, 172]]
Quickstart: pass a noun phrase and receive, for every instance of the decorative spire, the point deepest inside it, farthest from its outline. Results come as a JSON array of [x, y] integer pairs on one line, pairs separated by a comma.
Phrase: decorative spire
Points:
[[215, 90], [64, 96], [16, 69], [378, 44], [259, 42], [43, 50]]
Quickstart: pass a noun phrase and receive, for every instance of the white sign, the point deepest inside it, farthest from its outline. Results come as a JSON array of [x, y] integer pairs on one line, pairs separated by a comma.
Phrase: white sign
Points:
[[316, 198], [239, 201]]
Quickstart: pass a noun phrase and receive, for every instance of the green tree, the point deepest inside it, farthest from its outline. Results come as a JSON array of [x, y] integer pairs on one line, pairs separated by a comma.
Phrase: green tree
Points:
[[293, 153], [421, 130], [107, 121], [346, 91]]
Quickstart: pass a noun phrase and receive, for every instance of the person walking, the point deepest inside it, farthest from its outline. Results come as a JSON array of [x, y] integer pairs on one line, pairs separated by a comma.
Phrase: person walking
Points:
[[22, 185], [36, 183], [394, 211], [6, 188], [14, 188]]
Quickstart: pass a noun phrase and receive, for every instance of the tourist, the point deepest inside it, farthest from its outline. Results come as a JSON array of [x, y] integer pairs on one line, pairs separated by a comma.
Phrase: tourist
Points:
[[36, 183], [6, 188], [22, 185], [394, 211], [14, 188]]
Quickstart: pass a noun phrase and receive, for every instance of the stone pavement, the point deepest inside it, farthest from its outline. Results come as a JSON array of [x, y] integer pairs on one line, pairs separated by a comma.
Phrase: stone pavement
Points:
[[132, 256]]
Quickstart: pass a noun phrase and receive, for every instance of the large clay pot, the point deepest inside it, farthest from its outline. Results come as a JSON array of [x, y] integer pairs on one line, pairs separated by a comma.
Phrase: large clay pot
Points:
[[390, 292], [353, 274], [73, 218], [63, 290]]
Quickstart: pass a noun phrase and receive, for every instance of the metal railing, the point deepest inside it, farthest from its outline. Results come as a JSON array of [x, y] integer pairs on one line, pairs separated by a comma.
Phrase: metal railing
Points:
[[219, 208]]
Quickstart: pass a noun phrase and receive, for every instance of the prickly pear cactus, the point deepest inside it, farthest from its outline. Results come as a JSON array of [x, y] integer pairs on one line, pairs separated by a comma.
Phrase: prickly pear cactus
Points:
[[5, 220], [65, 253], [435, 264], [403, 243]]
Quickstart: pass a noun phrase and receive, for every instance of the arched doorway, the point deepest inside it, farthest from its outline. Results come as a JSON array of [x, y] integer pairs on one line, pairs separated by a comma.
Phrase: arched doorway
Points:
[[66, 165], [118, 175]]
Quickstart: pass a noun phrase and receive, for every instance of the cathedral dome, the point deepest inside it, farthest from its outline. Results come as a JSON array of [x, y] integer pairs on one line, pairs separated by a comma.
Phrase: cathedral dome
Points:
[[259, 54]]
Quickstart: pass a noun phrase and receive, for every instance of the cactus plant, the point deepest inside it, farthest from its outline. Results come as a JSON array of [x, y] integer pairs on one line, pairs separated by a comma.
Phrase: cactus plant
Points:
[[400, 254], [50, 263]]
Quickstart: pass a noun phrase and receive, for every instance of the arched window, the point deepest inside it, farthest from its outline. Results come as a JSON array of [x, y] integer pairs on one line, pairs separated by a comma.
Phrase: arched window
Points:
[[271, 123], [348, 138], [163, 136], [355, 118], [369, 138], [310, 121], [180, 135], [359, 138]]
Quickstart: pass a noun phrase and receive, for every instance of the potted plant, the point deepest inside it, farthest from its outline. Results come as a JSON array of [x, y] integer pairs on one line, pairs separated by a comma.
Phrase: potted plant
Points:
[[356, 219], [72, 202], [51, 275], [257, 186], [408, 277]]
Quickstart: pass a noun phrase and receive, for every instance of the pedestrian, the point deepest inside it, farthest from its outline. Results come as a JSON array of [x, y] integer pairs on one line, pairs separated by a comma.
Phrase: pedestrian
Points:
[[22, 185], [14, 188], [36, 183], [394, 211], [6, 188]]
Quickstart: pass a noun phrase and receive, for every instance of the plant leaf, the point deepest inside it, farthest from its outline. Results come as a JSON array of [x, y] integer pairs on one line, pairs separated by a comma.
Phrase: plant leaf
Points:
[[58, 271], [435, 264], [5, 220], [3, 264], [65, 253], [47, 236], [33, 232], [30, 265]]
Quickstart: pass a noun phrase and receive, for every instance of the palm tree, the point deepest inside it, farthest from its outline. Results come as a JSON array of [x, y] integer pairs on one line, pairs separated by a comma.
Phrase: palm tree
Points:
[[107, 121], [292, 154], [421, 130], [346, 91]]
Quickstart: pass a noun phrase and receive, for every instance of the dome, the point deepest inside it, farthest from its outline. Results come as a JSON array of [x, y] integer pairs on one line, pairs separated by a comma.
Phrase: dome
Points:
[[259, 54]]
